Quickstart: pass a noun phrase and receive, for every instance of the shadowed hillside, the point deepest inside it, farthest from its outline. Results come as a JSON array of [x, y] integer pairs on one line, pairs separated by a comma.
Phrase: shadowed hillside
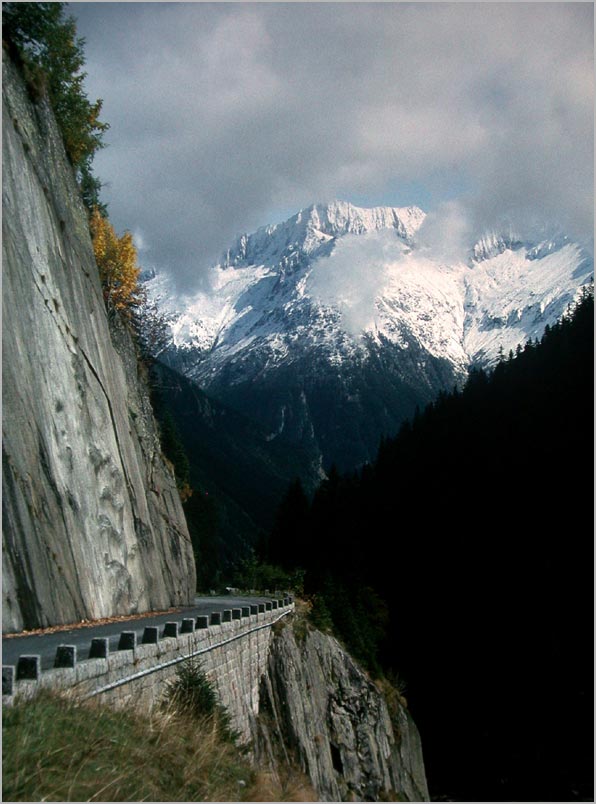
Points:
[[474, 527]]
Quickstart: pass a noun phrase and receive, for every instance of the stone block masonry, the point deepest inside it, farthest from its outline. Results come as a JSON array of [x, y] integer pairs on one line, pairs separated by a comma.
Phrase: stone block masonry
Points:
[[232, 650]]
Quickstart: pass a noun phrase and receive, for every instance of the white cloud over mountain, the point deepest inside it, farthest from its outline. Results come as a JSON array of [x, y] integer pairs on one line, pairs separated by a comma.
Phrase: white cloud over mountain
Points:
[[223, 113]]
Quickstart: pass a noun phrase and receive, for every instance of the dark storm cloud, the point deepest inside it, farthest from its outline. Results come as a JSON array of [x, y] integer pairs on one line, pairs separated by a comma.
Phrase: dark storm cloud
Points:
[[222, 114]]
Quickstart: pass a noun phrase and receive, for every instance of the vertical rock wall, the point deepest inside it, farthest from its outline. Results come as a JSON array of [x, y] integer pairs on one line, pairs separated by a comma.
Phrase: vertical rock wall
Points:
[[92, 520]]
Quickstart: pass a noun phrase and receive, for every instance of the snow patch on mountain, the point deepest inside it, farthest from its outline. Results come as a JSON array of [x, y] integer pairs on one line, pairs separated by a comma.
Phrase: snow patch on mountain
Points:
[[511, 297]]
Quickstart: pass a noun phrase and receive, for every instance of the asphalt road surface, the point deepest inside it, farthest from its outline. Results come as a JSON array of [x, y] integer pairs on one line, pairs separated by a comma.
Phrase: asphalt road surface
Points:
[[45, 645]]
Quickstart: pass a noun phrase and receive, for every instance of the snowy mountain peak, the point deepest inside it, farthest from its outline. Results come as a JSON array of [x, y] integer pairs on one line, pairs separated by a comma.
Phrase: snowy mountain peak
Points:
[[492, 244], [538, 243], [312, 231], [340, 218], [335, 278]]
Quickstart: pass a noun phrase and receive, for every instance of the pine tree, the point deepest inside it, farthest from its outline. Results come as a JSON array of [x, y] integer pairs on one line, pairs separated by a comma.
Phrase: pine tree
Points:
[[152, 328], [52, 58], [288, 536]]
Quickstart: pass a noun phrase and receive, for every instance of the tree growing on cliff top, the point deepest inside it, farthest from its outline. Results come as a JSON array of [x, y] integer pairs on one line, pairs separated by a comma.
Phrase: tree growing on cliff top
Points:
[[52, 59], [116, 259]]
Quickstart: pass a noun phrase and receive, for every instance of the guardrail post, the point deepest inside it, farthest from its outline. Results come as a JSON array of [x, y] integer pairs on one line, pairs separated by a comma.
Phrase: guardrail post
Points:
[[7, 679], [150, 635], [170, 630], [100, 648], [128, 640], [29, 667], [66, 656]]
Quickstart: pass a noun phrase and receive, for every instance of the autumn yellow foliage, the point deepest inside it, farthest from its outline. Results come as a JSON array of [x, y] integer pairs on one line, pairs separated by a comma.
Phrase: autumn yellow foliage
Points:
[[116, 259]]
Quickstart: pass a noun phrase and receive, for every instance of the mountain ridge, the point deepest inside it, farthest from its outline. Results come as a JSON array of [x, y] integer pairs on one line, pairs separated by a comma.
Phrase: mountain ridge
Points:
[[337, 294], [331, 220]]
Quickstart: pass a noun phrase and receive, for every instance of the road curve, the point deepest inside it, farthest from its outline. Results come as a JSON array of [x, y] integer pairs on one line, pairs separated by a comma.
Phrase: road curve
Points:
[[45, 645]]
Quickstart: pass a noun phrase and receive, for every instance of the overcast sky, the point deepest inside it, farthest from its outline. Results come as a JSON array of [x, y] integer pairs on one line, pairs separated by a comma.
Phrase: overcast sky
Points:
[[228, 116]]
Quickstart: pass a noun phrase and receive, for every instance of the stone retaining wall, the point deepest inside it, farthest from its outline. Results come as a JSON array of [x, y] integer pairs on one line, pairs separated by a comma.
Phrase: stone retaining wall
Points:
[[232, 647]]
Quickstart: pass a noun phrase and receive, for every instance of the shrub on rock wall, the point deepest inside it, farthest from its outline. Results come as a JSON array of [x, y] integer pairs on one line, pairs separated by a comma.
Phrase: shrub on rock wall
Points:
[[192, 695]]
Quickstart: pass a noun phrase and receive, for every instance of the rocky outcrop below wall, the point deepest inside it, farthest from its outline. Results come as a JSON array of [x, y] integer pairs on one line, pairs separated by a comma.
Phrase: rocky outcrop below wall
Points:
[[92, 520], [320, 709]]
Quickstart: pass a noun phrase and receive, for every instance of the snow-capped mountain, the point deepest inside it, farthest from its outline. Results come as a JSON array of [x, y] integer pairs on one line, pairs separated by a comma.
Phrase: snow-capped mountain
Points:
[[311, 230], [330, 328]]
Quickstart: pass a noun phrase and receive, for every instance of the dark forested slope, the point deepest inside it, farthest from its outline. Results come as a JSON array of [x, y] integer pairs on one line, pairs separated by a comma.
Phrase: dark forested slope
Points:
[[473, 533]]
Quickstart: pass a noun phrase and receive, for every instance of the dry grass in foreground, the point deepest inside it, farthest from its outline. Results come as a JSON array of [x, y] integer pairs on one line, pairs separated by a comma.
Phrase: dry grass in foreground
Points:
[[56, 749]]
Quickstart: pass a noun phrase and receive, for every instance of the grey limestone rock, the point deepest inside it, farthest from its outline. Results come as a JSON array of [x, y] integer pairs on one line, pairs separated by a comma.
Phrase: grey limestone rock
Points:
[[323, 710], [92, 520]]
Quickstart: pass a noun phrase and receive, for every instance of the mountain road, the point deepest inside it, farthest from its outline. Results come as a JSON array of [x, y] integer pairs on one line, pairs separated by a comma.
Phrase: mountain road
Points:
[[44, 644]]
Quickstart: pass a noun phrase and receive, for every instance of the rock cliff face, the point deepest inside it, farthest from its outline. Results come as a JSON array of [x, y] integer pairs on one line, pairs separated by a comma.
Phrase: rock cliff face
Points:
[[319, 709], [92, 520]]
